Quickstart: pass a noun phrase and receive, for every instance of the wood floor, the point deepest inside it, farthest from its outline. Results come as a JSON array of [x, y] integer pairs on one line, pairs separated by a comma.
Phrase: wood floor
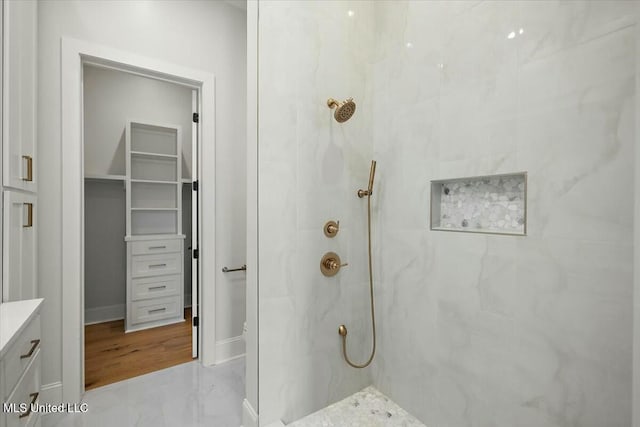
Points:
[[111, 355]]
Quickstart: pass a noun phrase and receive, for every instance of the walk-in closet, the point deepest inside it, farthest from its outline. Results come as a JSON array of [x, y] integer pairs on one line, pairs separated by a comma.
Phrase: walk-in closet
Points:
[[138, 157]]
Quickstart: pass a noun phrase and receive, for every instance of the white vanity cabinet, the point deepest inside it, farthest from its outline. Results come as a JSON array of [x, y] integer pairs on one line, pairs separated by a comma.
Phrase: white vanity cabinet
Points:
[[19, 89], [19, 94], [20, 362], [19, 246], [20, 352], [155, 243]]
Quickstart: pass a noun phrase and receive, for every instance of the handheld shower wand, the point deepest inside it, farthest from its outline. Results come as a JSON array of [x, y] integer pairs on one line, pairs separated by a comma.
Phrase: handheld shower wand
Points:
[[372, 174]]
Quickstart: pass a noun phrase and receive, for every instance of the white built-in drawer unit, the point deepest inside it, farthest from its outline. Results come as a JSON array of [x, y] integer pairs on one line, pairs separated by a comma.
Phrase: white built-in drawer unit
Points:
[[156, 265], [155, 287], [20, 361], [155, 281], [155, 243], [155, 247], [155, 309]]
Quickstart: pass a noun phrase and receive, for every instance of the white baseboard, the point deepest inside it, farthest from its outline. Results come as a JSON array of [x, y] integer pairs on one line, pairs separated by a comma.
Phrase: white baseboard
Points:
[[104, 314], [51, 393], [249, 415], [229, 349]]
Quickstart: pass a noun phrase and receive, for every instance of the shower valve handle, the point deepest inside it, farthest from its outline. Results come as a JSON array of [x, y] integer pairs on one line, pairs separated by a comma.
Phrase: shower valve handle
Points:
[[330, 264]]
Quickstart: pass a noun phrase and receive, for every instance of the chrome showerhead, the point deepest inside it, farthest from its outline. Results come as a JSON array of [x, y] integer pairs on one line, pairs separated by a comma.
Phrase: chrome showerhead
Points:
[[344, 110]]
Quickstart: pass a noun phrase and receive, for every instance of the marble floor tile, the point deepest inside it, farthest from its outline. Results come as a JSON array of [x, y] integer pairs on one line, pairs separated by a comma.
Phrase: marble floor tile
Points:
[[366, 408], [187, 395]]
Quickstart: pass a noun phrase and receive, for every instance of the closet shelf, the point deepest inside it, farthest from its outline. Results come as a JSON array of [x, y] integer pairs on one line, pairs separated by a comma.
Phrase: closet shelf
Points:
[[153, 155], [105, 177], [153, 181], [136, 237], [155, 209]]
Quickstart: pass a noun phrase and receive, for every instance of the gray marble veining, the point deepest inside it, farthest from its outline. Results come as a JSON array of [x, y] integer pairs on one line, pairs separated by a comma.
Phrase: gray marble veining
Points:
[[187, 395], [482, 330], [473, 330]]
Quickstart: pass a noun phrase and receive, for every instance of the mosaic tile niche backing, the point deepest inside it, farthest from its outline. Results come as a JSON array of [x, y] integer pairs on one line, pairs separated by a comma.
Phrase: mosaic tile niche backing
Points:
[[485, 204]]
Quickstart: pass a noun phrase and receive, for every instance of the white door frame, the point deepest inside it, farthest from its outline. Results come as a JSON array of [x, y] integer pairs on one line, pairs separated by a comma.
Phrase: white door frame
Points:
[[74, 54]]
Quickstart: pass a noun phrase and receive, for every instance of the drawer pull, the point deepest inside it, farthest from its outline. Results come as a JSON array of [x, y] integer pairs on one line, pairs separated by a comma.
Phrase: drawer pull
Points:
[[34, 397], [157, 247], [153, 288], [157, 265], [157, 310], [29, 160], [34, 345], [29, 215]]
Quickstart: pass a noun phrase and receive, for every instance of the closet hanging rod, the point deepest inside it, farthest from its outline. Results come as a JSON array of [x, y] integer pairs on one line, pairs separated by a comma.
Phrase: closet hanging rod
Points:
[[229, 270]]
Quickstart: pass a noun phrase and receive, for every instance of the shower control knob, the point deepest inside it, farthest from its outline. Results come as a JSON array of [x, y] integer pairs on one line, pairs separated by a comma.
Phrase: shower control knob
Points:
[[330, 264], [331, 228]]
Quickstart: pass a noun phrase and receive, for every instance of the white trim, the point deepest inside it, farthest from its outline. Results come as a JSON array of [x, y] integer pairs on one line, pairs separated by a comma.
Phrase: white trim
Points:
[[194, 290], [229, 349], [108, 313], [73, 53], [636, 245], [252, 318], [249, 415], [51, 393]]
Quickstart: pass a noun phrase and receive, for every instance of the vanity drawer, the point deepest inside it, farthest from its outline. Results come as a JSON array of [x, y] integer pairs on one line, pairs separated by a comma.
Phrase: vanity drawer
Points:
[[155, 309], [156, 265], [155, 287], [156, 247], [20, 354], [26, 392]]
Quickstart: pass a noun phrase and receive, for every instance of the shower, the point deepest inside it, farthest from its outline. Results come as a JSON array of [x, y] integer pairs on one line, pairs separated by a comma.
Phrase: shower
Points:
[[344, 110], [342, 329]]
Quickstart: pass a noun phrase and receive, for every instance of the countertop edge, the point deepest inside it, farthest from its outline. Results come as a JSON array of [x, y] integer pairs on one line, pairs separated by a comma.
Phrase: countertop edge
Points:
[[17, 314]]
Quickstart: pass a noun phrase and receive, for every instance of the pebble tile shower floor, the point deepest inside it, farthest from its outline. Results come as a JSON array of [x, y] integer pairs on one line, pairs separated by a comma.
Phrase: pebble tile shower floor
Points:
[[366, 408]]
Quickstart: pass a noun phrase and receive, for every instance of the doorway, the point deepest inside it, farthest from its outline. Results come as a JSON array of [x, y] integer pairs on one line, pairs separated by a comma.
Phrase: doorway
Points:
[[76, 53], [139, 301]]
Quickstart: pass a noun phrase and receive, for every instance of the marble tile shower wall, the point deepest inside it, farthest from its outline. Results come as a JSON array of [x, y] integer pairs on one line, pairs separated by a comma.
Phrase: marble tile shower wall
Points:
[[309, 169], [480, 330]]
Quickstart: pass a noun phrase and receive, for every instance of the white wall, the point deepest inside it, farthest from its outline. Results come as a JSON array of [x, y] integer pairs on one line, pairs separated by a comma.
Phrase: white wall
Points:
[[474, 330], [481, 330], [309, 169], [205, 35], [111, 98], [250, 405]]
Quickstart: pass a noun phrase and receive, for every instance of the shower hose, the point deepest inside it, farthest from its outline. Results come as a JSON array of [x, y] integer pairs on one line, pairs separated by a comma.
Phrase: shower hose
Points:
[[373, 316]]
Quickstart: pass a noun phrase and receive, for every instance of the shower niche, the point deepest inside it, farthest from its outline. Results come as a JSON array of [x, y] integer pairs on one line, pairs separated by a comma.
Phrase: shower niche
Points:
[[495, 204]]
